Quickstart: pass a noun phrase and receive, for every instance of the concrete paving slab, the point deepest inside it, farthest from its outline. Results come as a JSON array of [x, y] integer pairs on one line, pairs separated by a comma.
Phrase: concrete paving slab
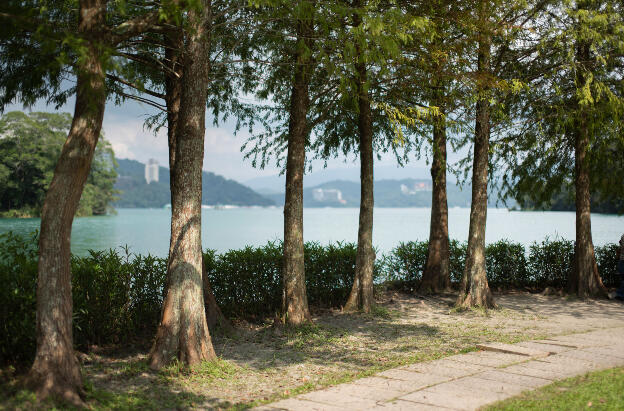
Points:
[[402, 405], [513, 349], [418, 378], [444, 400], [390, 384], [608, 351], [533, 372], [571, 364], [475, 383], [550, 348], [298, 405], [456, 388], [333, 397], [443, 369], [602, 359], [369, 393], [488, 358], [524, 380]]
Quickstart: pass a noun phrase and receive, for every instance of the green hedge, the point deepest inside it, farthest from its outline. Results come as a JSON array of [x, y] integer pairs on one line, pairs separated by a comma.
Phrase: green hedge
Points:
[[118, 295]]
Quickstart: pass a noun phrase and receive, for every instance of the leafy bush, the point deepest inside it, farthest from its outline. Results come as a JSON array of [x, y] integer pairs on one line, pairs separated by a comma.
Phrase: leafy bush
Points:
[[246, 281], [18, 273], [406, 262], [506, 264], [606, 257], [551, 262], [117, 296]]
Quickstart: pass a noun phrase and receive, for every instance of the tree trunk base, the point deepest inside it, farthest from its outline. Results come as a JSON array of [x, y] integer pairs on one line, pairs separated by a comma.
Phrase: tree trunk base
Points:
[[485, 300], [58, 381]]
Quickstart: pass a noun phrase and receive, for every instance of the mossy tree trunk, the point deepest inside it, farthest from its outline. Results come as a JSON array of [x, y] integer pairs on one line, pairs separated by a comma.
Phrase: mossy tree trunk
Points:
[[183, 332], [56, 370]]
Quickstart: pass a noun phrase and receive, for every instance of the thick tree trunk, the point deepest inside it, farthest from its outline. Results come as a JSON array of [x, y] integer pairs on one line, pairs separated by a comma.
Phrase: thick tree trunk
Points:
[[436, 275], [361, 296], [295, 300], [55, 370], [585, 279], [183, 332], [173, 86], [474, 290]]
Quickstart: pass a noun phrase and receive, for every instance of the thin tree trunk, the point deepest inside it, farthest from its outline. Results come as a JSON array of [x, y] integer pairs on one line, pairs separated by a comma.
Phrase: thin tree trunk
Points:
[[183, 332], [585, 279], [295, 300], [362, 290], [55, 370], [436, 275], [474, 291]]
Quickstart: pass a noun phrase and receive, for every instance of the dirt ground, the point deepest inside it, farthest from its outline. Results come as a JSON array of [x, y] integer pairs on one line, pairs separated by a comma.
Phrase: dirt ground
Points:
[[260, 363]]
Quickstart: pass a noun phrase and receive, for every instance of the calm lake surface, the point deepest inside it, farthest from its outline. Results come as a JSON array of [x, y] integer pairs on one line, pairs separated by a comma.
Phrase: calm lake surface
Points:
[[147, 230]]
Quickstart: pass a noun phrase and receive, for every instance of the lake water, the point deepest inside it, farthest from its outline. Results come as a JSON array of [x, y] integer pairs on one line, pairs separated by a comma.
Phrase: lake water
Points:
[[147, 230]]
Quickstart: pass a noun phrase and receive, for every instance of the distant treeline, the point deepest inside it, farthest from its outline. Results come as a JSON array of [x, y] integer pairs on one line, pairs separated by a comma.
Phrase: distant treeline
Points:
[[118, 295]]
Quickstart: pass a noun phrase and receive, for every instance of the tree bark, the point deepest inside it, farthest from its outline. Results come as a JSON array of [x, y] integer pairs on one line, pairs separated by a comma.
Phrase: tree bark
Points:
[[173, 87], [474, 290], [295, 300], [585, 279], [436, 275], [55, 370], [361, 296], [183, 332]]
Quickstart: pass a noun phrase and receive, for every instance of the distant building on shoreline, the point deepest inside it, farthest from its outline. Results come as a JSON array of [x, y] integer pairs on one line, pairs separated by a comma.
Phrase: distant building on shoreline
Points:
[[151, 171]]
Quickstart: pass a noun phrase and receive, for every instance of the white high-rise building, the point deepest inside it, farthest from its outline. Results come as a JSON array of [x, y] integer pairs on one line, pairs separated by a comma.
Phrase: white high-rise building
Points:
[[151, 171]]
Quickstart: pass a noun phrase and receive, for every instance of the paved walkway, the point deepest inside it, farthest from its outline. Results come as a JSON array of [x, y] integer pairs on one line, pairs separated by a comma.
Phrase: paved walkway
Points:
[[469, 381]]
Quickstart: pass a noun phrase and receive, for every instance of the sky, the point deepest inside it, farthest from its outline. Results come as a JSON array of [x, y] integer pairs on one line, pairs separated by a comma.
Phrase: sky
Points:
[[124, 128]]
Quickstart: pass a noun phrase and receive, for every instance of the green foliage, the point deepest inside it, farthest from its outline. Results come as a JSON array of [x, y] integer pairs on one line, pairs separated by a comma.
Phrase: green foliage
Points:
[[117, 297], [18, 271], [551, 262], [545, 264], [30, 145], [506, 264]]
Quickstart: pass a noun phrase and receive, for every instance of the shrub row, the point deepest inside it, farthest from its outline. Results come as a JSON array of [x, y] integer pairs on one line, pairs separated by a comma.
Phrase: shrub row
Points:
[[509, 265], [118, 295]]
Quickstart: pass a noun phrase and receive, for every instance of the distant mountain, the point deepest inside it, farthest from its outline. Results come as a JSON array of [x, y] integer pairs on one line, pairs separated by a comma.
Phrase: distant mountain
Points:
[[388, 193], [216, 190], [275, 184]]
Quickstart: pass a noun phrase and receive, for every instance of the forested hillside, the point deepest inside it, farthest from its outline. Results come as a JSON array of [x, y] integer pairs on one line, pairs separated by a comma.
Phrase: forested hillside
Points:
[[216, 190]]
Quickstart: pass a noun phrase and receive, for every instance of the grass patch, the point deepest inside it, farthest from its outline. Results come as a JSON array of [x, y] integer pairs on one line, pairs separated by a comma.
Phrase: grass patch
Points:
[[603, 390]]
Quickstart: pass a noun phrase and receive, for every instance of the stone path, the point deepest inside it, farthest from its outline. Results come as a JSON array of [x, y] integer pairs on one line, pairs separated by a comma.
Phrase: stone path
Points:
[[469, 381]]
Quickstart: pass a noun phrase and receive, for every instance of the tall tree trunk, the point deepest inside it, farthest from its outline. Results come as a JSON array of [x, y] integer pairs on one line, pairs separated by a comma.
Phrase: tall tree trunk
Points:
[[436, 275], [183, 332], [585, 279], [173, 87], [55, 370], [474, 289], [295, 300], [362, 290]]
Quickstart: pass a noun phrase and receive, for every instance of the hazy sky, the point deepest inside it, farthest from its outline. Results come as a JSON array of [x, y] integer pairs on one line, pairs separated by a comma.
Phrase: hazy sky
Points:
[[123, 127]]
